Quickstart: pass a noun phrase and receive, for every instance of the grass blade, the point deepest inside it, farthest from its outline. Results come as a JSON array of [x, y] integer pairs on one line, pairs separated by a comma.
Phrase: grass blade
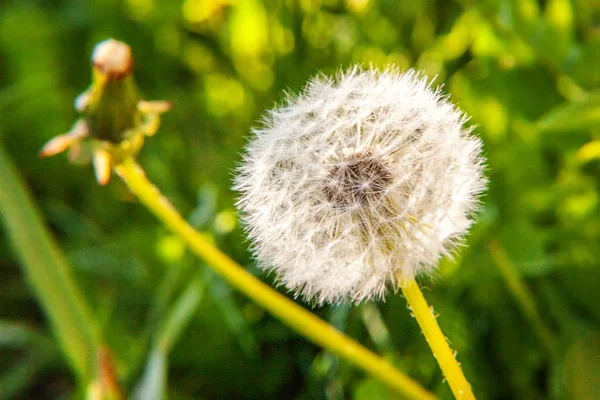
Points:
[[153, 385], [47, 273]]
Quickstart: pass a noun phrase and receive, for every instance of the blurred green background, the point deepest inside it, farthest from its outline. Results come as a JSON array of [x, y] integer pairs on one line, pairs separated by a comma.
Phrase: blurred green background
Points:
[[521, 303]]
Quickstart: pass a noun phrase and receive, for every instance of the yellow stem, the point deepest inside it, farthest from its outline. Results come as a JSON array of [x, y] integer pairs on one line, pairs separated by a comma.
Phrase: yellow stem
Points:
[[294, 316], [437, 342]]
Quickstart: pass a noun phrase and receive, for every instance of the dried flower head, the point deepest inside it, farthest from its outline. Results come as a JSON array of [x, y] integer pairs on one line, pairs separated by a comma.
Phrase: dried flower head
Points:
[[359, 183]]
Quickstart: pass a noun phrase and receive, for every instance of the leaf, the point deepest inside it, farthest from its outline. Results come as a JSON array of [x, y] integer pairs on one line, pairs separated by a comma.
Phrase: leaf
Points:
[[47, 272], [525, 247], [16, 335], [582, 368], [586, 65], [181, 314], [153, 384], [222, 295], [38, 351], [589, 151], [579, 115]]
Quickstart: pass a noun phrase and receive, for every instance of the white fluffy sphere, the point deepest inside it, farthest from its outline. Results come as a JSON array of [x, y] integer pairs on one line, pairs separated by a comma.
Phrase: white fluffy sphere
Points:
[[358, 184]]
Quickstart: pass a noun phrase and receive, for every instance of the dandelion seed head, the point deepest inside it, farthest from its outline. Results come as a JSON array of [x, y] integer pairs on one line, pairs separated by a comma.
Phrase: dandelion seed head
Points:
[[360, 182]]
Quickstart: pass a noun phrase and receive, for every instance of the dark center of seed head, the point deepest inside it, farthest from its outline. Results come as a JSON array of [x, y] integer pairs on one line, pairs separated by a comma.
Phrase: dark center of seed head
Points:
[[356, 181]]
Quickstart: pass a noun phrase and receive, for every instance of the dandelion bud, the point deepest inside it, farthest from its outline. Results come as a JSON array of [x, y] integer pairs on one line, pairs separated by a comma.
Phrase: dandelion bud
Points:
[[359, 184], [113, 117], [113, 59]]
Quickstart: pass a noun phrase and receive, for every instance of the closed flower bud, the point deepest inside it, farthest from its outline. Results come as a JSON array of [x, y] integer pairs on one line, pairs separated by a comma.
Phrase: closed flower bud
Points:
[[359, 184], [113, 118]]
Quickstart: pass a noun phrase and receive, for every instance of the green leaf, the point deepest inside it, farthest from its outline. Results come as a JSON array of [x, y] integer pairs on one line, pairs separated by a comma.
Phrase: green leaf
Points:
[[153, 384], [582, 368], [222, 295], [38, 351], [48, 273], [181, 314], [525, 247], [579, 115], [586, 65], [16, 335]]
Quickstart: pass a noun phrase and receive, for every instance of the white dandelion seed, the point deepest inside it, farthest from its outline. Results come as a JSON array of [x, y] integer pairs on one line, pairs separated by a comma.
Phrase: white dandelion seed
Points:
[[358, 184]]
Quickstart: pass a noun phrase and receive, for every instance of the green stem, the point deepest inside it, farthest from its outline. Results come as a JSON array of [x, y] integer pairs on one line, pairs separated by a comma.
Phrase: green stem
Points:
[[296, 317]]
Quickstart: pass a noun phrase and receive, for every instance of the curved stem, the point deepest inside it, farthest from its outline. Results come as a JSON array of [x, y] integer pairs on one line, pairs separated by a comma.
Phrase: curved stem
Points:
[[294, 316], [437, 342]]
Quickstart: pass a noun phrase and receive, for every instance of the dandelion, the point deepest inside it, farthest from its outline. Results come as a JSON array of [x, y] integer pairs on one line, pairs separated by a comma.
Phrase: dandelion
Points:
[[114, 122], [359, 184], [114, 119]]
